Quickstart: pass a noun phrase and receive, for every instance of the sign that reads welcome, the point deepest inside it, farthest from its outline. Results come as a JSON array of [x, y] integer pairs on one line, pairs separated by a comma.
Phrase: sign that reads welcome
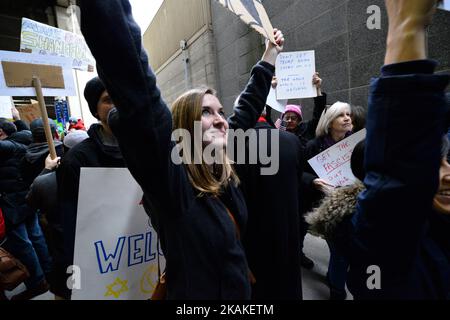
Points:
[[116, 248]]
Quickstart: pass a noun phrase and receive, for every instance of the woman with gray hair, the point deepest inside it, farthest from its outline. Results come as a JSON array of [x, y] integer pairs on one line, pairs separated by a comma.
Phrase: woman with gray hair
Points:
[[335, 124]]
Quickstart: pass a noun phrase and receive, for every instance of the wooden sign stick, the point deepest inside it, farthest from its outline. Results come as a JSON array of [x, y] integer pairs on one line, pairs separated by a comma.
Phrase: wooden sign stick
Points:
[[48, 133], [18, 74]]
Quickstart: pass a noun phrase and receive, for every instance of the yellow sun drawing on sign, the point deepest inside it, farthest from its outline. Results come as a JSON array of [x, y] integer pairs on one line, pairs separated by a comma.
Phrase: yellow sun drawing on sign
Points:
[[149, 280], [122, 287]]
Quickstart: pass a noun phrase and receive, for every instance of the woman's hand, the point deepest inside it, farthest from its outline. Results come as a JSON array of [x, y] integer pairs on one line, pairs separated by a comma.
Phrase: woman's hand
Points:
[[323, 186], [317, 81], [272, 50], [15, 113], [274, 82]]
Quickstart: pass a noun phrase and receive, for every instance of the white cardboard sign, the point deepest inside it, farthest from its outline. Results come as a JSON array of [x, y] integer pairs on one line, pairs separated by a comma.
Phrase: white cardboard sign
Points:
[[65, 63], [333, 164], [295, 72], [275, 104], [47, 40], [6, 104], [115, 245], [445, 5]]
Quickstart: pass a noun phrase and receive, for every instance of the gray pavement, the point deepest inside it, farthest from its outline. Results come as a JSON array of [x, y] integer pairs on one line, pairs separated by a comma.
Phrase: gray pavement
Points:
[[314, 283]]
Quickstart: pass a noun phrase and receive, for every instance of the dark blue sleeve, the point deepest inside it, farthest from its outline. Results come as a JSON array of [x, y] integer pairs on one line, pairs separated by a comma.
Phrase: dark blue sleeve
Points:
[[21, 125], [252, 100], [405, 125], [141, 122]]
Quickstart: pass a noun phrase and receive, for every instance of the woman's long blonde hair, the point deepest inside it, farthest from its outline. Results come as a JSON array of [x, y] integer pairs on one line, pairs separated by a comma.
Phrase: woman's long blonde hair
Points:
[[187, 109]]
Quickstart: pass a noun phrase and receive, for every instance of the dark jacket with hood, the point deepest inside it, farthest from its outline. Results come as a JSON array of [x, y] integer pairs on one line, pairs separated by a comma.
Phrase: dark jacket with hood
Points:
[[13, 188], [272, 238], [23, 134], [34, 160], [205, 259], [325, 220], [91, 153], [395, 227]]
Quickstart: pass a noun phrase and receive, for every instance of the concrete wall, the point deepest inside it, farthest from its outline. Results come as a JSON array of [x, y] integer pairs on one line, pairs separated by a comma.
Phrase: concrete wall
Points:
[[175, 21], [201, 68], [238, 49], [348, 54]]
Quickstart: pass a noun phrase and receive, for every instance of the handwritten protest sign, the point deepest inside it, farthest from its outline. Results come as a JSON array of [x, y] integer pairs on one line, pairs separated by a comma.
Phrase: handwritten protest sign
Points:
[[275, 104], [29, 112], [43, 39], [333, 164], [5, 107], [29, 58], [295, 72], [252, 12], [115, 245]]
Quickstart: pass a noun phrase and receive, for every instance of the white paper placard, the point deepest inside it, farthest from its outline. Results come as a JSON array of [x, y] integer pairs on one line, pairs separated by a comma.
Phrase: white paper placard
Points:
[[295, 72], [65, 63], [6, 104], [445, 5], [115, 245], [275, 104], [333, 164], [47, 40]]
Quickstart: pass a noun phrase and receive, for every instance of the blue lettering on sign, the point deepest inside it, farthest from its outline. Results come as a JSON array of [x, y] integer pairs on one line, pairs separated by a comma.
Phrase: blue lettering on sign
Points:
[[139, 251], [149, 256], [105, 262], [134, 256]]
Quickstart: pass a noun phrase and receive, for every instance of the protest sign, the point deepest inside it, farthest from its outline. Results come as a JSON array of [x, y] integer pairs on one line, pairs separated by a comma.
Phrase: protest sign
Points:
[[43, 39], [6, 104], [27, 59], [29, 112], [275, 104], [252, 12], [115, 245], [333, 164], [62, 111], [445, 5], [295, 72]]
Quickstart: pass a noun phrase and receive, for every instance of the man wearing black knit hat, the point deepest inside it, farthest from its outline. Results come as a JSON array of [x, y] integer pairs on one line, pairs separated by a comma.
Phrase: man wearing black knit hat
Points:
[[99, 150]]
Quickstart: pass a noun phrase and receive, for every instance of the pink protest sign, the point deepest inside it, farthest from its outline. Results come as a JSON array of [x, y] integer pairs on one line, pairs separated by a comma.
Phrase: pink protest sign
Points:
[[333, 164]]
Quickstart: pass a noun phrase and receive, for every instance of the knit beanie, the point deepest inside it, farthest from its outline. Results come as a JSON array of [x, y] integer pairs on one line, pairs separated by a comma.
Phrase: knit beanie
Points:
[[75, 137], [38, 131], [294, 108], [92, 92]]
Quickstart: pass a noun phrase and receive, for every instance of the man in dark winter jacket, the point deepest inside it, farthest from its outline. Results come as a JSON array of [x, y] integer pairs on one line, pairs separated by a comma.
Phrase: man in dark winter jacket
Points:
[[99, 150], [34, 161], [272, 241], [25, 238]]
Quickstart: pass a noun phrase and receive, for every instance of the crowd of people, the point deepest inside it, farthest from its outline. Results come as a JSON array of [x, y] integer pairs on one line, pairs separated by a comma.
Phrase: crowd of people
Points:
[[213, 219]]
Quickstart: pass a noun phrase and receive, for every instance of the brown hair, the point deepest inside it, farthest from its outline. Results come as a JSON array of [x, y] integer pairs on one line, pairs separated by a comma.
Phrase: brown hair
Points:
[[187, 109]]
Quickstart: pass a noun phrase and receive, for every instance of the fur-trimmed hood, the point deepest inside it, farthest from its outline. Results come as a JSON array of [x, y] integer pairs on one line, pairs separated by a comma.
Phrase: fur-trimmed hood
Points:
[[324, 219]]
